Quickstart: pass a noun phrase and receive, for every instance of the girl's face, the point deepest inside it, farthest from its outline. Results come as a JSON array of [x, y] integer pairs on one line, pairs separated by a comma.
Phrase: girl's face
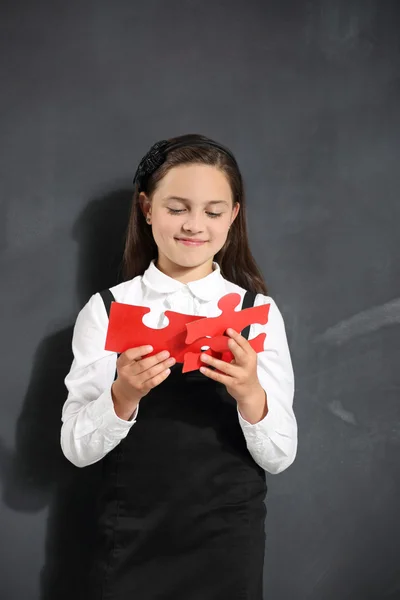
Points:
[[192, 202]]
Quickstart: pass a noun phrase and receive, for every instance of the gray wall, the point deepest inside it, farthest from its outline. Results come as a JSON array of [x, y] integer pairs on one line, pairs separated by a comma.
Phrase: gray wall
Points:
[[307, 95]]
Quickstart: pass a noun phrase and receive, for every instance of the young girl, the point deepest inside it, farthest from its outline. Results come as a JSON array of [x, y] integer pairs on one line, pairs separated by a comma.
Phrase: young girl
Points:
[[184, 455]]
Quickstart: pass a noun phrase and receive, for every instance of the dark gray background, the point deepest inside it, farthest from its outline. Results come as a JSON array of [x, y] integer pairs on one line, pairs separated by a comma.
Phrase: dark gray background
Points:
[[307, 95]]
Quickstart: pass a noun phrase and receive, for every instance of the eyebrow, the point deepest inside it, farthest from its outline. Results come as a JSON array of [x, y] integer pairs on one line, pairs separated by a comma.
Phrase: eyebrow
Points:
[[187, 200]]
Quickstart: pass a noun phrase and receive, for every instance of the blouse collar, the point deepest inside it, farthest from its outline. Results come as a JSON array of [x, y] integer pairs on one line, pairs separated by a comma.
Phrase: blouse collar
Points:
[[206, 288]]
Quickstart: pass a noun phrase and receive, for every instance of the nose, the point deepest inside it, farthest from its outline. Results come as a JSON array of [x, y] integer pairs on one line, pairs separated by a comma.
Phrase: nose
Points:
[[193, 223]]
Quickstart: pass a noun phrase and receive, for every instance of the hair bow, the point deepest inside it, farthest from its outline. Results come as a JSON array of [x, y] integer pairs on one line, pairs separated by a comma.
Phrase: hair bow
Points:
[[154, 158]]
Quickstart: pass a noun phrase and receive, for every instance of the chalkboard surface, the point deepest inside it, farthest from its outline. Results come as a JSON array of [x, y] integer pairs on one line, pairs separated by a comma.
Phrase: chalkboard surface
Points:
[[307, 95]]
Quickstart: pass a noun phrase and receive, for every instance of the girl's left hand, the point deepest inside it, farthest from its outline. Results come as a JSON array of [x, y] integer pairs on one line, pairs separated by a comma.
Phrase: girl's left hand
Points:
[[240, 375]]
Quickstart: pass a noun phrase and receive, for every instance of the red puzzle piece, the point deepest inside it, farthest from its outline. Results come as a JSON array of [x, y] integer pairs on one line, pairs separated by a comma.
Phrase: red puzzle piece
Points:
[[127, 330], [218, 348], [236, 319], [215, 327]]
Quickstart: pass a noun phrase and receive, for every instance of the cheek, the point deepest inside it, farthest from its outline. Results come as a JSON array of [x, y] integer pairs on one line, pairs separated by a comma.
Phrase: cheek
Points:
[[165, 225], [222, 226], [218, 228]]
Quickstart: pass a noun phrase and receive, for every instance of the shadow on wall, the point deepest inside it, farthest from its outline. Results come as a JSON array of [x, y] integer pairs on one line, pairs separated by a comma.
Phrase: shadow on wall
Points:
[[38, 474]]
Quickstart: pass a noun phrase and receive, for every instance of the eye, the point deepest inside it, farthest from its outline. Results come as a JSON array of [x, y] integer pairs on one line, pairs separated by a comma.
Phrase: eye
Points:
[[174, 211]]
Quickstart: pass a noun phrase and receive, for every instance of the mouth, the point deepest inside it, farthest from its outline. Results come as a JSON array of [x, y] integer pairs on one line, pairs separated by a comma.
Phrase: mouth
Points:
[[189, 242]]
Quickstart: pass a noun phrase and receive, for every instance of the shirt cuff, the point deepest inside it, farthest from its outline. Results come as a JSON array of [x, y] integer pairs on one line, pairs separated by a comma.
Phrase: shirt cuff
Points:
[[106, 418], [267, 426]]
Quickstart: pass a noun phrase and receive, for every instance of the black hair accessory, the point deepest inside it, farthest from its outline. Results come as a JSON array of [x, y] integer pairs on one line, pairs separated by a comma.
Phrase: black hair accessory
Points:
[[154, 158], [157, 155]]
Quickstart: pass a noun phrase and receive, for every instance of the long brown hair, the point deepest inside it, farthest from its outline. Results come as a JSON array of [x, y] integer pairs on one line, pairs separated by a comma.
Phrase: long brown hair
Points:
[[235, 259]]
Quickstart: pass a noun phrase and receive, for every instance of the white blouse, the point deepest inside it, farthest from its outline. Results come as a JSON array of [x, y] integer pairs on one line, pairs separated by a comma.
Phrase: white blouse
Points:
[[90, 427]]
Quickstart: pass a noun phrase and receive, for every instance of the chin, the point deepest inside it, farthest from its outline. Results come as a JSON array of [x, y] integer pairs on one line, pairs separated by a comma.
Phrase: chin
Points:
[[190, 259], [190, 262]]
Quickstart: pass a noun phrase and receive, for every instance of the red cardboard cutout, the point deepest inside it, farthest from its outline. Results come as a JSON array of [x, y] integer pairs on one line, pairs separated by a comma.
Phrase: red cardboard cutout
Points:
[[127, 330]]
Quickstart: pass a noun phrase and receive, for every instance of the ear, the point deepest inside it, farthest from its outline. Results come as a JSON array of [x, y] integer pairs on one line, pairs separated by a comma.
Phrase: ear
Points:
[[145, 204], [235, 211]]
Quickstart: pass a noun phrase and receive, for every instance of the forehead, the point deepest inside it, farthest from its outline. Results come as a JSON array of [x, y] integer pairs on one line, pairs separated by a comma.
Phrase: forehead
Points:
[[194, 184]]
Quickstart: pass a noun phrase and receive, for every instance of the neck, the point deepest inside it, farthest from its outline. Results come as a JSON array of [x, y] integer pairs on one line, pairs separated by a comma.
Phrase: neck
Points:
[[182, 273]]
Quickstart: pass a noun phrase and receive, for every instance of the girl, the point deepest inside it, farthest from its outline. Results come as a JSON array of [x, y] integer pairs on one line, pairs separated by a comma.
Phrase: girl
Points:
[[184, 455]]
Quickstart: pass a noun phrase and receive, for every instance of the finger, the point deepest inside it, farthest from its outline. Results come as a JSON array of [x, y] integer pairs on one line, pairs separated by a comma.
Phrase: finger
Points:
[[159, 378], [221, 365], [146, 381], [147, 363], [146, 376], [135, 353], [216, 375], [158, 368], [155, 375], [238, 338], [239, 351], [140, 365]]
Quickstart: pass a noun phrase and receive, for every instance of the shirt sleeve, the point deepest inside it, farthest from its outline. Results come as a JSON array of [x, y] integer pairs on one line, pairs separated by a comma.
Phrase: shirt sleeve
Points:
[[90, 427], [272, 442]]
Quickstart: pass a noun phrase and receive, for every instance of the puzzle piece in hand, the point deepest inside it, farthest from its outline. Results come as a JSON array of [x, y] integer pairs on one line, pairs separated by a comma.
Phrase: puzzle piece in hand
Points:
[[236, 319], [215, 327], [218, 348], [127, 330]]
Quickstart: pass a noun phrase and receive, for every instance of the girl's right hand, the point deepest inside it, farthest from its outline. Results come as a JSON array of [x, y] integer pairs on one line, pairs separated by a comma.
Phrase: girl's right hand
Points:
[[137, 376]]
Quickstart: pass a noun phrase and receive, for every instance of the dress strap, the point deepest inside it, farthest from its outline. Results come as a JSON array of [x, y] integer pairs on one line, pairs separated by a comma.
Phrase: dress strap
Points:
[[107, 297], [248, 302]]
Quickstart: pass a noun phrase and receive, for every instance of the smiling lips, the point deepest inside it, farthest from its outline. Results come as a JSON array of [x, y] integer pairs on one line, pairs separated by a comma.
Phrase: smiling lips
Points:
[[189, 242]]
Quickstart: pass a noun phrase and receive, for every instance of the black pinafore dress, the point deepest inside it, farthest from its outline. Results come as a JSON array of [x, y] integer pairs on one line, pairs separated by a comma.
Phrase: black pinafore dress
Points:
[[181, 513]]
